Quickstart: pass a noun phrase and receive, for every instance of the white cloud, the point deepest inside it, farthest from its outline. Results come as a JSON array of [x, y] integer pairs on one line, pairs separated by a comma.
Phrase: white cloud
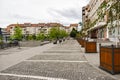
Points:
[[35, 11]]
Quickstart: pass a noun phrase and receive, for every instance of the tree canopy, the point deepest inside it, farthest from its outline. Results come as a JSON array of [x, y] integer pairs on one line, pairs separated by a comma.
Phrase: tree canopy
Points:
[[17, 33], [73, 33], [57, 33]]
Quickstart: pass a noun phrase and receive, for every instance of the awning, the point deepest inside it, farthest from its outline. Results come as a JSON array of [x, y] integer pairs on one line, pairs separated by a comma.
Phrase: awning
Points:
[[97, 26]]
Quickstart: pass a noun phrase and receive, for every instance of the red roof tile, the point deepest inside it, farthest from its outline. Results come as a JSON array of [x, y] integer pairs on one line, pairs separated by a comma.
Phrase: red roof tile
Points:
[[75, 25]]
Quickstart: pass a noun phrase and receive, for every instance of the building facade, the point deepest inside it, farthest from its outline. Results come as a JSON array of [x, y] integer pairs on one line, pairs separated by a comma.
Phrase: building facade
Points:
[[28, 28], [75, 26], [100, 18]]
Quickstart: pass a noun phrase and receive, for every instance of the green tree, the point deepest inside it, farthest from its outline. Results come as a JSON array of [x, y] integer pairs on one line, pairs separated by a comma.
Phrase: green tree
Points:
[[73, 33], [34, 37], [63, 34], [0, 39], [17, 33], [78, 35], [40, 36], [54, 33], [57, 33], [30, 37], [80, 23]]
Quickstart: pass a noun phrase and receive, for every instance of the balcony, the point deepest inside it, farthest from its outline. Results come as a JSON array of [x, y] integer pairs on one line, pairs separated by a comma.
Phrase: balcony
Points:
[[83, 10], [83, 13]]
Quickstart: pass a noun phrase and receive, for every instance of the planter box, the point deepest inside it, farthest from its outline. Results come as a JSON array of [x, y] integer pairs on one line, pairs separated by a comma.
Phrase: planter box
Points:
[[110, 59], [79, 41], [82, 42], [90, 47]]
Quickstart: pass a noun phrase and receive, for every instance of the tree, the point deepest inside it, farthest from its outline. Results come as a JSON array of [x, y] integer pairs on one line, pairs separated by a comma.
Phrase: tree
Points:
[[73, 33], [34, 37], [17, 33], [80, 23], [40, 36], [114, 16], [0, 39], [57, 33], [54, 33], [63, 34], [30, 37]]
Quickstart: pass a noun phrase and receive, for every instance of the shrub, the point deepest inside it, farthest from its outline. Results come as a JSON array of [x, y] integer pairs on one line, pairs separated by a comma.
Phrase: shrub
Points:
[[40, 36], [73, 33]]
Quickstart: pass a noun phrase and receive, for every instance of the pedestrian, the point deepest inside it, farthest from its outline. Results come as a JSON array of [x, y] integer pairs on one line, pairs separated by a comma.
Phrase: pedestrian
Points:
[[60, 40]]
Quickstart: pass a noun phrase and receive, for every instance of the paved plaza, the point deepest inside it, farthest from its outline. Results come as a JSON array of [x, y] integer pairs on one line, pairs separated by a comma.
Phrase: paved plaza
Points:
[[65, 61]]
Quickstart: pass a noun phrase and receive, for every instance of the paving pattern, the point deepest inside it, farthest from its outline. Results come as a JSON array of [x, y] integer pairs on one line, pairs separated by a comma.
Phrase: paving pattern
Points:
[[17, 78], [63, 62], [59, 57]]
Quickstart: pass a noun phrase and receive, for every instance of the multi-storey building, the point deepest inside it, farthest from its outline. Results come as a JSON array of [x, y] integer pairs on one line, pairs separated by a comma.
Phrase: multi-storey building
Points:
[[75, 26], [67, 29], [28, 28], [99, 20]]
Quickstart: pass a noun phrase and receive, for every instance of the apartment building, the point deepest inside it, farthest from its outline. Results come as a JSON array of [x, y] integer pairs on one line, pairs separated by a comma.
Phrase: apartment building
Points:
[[96, 19], [67, 29], [75, 26], [4, 34], [28, 28]]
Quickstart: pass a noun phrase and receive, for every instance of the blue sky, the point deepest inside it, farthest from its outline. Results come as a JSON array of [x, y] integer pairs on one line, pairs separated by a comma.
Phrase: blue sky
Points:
[[36, 11]]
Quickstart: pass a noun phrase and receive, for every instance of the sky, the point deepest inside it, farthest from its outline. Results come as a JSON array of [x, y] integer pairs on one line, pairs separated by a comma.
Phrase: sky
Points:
[[41, 11]]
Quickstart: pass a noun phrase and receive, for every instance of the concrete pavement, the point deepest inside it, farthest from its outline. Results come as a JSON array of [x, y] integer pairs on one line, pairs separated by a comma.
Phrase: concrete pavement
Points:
[[94, 59], [15, 55], [65, 61]]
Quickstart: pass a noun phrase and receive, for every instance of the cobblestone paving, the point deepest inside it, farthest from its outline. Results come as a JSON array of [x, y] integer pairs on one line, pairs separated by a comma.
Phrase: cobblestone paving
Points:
[[62, 52], [59, 57], [48, 64], [17, 78], [66, 48], [72, 71]]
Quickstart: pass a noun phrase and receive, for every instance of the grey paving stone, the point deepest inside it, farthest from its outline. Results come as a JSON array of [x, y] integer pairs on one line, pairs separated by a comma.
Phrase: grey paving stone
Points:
[[59, 57], [61, 51], [65, 48], [71, 71], [68, 51], [17, 78]]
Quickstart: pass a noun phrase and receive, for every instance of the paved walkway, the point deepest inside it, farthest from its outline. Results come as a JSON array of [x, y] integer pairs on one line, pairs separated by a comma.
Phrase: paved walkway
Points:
[[94, 59], [65, 61]]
